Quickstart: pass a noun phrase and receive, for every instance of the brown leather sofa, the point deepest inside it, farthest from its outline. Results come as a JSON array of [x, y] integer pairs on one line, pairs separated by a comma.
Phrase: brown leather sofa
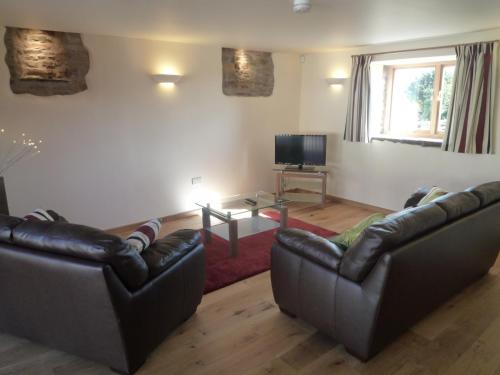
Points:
[[394, 274], [88, 293]]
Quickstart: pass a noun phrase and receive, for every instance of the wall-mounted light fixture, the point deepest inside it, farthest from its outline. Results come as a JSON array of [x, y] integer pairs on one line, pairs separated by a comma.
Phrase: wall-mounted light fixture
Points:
[[166, 78], [301, 6], [335, 81]]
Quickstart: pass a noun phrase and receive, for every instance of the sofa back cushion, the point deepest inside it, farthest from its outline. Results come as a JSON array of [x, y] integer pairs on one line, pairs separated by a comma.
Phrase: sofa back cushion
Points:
[[487, 193], [84, 242], [457, 205], [7, 224], [387, 235]]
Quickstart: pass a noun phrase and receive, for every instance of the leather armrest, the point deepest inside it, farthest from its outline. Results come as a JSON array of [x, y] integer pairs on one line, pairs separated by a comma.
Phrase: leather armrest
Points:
[[7, 224], [167, 251], [312, 247], [416, 197]]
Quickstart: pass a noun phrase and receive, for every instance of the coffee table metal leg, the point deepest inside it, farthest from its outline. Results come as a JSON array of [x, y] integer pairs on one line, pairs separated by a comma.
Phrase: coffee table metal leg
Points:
[[283, 217], [323, 190], [206, 224], [233, 237], [278, 185]]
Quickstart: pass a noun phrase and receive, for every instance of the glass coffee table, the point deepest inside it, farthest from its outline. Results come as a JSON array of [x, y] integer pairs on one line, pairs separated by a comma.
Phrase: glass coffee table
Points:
[[235, 224]]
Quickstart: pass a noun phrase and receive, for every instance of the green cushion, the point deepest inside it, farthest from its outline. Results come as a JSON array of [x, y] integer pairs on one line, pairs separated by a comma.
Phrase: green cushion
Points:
[[347, 237], [434, 193]]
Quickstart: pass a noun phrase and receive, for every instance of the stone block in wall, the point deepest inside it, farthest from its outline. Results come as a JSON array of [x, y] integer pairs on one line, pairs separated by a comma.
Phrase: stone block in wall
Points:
[[247, 73], [45, 63]]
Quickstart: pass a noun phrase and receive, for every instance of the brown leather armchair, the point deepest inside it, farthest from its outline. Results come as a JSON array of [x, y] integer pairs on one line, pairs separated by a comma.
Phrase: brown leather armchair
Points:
[[394, 274], [88, 293]]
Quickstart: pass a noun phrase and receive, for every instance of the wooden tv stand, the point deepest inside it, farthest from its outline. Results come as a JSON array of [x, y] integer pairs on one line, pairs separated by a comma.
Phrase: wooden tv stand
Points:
[[316, 173]]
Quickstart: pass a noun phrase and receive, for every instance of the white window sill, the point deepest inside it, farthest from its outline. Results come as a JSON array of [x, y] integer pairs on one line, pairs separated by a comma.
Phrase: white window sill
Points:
[[424, 142]]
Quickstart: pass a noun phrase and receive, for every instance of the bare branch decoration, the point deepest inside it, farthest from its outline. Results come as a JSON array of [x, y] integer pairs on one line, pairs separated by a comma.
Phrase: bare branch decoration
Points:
[[13, 150]]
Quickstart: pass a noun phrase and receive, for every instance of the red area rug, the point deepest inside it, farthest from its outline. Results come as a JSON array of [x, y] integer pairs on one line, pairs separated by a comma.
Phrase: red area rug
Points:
[[254, 254]]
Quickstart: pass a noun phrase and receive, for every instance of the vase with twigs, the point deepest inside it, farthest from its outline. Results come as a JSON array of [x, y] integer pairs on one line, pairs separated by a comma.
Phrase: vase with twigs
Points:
[[14, 149]]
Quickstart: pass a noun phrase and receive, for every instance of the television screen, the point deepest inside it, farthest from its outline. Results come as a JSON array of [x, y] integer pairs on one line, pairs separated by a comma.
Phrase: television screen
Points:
[[300, 149]]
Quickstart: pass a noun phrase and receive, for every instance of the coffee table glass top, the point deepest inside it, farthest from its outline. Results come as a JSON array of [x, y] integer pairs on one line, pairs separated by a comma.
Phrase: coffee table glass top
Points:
[[239, 204]]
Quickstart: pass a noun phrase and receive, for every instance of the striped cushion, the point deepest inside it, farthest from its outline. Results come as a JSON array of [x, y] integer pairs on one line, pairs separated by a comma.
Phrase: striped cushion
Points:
[[57, 217], [145, 235], [39, 215]]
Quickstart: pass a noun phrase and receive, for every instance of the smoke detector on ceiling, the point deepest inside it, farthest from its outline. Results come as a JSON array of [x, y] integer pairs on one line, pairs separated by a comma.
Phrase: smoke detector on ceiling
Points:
[[301, 6]]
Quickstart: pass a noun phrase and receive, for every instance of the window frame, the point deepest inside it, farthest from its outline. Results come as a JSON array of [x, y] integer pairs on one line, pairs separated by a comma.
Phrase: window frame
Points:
[[433, 133]]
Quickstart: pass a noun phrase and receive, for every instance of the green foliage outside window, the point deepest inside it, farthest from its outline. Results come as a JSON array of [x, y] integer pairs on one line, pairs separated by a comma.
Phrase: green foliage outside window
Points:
[[421, 92]]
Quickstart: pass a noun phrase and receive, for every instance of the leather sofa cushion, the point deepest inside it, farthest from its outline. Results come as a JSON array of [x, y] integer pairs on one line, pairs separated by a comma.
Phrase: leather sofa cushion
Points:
[[387, 235], [310, 246], [7, 223], [167, 251], [417, 197], [457, 205], [487, 193], [84, 242]]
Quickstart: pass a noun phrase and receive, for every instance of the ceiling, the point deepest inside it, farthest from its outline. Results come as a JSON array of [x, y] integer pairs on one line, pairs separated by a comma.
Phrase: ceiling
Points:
[[264, 24]]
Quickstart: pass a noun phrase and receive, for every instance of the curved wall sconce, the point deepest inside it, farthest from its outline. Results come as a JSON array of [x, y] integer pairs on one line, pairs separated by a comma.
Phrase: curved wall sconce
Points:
[[166, 78], [335, 81]]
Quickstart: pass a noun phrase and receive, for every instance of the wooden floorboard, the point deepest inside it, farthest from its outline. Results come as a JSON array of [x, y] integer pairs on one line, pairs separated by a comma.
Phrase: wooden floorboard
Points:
[[240, 330]]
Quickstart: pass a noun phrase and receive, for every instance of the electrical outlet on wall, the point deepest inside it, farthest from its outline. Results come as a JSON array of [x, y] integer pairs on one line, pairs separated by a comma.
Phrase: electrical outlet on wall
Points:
[[196, 180]]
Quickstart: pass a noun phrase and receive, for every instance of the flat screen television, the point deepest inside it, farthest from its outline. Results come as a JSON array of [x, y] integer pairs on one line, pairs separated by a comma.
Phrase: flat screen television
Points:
[[300, 150]]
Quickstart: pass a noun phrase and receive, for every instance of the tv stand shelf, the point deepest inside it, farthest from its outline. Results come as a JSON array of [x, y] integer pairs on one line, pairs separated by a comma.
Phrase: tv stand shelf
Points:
[[307, 173]]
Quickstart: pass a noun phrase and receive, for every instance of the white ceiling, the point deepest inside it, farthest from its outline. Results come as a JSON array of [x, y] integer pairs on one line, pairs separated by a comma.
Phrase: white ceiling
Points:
[[265, 24]]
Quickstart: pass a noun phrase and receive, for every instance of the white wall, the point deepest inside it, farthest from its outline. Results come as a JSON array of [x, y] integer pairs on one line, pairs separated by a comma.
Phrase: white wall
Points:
[[384, 173], [125, 150]]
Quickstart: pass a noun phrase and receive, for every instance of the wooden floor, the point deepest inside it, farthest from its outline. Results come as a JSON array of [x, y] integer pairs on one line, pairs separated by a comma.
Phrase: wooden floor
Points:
[[239, 330]]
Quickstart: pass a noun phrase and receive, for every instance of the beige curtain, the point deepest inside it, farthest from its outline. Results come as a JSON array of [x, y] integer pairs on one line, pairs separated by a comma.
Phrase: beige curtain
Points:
[[358, 110], [470, 116]]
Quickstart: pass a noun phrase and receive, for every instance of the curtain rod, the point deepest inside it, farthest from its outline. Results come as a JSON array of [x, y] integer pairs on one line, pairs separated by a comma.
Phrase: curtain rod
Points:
[[423, 48]]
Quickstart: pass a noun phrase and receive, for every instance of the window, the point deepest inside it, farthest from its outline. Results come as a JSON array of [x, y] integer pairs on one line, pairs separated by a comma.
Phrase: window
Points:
[[414, 99]]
